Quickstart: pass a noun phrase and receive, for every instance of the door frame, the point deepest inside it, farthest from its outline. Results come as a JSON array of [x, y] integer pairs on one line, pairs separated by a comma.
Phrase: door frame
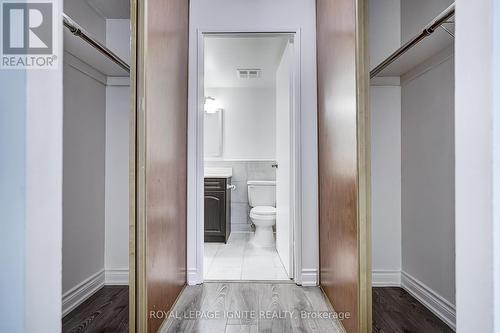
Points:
[[195, 215], [364, 208], [137, 249], [137, 202]]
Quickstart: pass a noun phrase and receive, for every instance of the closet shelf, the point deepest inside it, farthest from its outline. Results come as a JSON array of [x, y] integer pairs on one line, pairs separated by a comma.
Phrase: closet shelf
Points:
[[436, 37], [84, 47]]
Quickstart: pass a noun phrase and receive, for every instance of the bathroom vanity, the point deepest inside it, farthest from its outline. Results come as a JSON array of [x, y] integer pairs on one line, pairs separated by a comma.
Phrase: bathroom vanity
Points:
[[218, 204]]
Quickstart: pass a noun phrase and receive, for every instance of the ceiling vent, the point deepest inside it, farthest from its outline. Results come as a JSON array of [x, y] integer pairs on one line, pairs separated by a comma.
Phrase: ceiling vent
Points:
[[249, 73]]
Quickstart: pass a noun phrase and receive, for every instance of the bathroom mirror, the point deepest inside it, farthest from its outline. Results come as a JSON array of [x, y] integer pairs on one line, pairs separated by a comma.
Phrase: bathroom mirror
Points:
[[213, 133]]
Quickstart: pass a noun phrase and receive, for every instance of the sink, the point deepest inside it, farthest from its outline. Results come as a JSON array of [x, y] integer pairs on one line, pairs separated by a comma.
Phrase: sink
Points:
[[218, 172]]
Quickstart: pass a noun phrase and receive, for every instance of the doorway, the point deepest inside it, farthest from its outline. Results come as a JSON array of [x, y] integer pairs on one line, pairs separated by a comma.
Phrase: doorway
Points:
[[162, 152], [247, 157], [96, 137]]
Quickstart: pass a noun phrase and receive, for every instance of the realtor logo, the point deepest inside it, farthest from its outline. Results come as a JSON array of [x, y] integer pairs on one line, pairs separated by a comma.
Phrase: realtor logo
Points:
[[27, 34]]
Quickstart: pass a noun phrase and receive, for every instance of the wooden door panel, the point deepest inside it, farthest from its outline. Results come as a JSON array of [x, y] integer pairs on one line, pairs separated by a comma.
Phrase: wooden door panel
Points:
[[162, 132], [340, 120]]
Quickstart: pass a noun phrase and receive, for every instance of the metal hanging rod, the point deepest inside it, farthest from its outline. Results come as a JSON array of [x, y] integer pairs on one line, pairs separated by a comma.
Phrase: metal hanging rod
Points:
[[427, 31], [80, 32]]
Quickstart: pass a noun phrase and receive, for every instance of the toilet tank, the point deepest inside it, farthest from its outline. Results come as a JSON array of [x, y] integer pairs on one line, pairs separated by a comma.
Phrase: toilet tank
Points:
[[262, 193]]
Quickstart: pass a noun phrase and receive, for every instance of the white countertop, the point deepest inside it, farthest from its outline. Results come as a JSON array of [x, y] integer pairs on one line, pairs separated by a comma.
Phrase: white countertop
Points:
[[218, 172]]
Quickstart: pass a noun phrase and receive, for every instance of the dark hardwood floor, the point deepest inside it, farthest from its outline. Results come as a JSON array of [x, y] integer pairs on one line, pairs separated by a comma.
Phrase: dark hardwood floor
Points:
[[396, 311], [104, 312]]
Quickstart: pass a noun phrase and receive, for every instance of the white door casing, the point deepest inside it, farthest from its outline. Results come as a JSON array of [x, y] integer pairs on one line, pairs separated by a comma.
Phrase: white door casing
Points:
[[301, 275], [284, 104]]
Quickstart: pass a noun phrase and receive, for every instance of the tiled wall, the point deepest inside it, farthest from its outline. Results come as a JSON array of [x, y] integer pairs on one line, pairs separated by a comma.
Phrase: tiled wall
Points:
[[242, 172]]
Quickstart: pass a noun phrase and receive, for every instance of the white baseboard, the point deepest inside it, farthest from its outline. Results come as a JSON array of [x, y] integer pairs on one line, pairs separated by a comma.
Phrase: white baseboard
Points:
[[78, 294], [430, 299], [81, 292], [386, 278], [192, 277], [116, 277], [309, 277]]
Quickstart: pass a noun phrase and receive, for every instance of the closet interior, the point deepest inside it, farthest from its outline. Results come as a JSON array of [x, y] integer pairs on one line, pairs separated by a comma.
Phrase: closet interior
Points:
[[96, 164], [412, 141]]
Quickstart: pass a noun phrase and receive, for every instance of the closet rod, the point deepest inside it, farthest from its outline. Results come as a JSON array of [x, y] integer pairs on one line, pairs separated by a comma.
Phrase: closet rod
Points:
[[80, 32], [428, 30]]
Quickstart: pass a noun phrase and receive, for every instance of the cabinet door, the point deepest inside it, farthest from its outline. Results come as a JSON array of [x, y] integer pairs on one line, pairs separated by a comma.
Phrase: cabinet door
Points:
[[215, 209]]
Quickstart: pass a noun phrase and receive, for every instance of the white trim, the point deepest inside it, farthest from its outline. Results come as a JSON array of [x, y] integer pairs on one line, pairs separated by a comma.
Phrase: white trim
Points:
[[296, 162], [386, 81], [309, 277], [430, 299], [386, 278], [84, 68], [193, 277], [196, 168], [116, 277], [81, 292], [428, 65], [118, 81], [441, 307]]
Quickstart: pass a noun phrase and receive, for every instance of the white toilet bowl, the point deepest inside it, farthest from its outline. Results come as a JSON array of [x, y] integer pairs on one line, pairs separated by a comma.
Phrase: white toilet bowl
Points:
[[264, 218], [262, 199]]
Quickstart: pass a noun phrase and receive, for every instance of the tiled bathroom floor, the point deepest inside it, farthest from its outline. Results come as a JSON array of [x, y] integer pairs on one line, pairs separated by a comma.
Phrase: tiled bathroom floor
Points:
[[240, 260]]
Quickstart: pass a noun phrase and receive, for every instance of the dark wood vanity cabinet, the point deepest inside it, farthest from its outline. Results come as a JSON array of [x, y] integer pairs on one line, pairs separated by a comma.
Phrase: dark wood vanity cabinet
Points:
[[217, 209]]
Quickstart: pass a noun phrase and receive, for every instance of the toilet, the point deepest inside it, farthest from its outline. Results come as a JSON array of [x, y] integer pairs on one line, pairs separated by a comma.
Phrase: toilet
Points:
[[262, 199]]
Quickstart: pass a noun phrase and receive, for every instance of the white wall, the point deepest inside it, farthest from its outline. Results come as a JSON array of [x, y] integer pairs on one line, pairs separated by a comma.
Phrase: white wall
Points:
[[83, 177], [476, 169], [428, 197], [413, 207], [385, 29], [83, 160], [96, 149], [118, 37], [386, 183], [385, 106], [412, 162], [249, 122], [117, 159], [261, 15], [12, 198], [30, 197], [496, 163], [117, 178], [44, 184], [428, 220]]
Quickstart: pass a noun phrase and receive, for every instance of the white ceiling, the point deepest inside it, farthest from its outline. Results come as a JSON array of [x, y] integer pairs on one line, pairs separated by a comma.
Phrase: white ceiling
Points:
[[225, 54], [111, 9]]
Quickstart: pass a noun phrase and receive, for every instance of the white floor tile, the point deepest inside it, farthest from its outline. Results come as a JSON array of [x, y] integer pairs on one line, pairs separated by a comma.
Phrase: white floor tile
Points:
[[211, 248], [224, 274], [239, 259], [251, 250]]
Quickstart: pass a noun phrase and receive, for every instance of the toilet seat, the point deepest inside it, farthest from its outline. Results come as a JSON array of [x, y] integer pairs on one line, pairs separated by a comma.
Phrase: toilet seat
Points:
[[263, 212]]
